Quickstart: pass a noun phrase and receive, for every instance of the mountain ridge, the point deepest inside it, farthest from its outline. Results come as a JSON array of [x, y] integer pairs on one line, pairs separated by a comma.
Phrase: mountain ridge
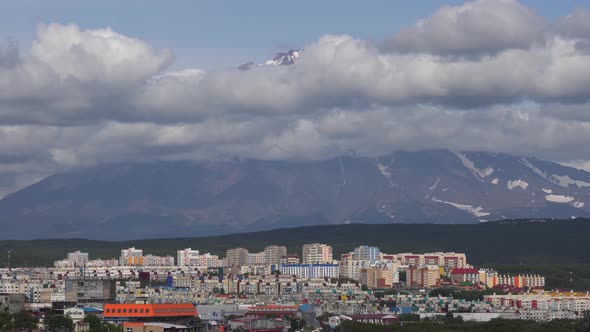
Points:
[[163, 199]]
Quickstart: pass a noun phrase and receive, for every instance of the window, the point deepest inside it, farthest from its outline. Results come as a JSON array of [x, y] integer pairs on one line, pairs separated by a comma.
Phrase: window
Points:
[[135, 310], [108, 310], [118, 311], [147, 311], [141, 310], [129, 329], [124, 310]]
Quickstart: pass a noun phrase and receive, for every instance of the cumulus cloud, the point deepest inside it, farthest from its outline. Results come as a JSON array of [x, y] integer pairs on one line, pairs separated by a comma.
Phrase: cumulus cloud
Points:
[[483, 26], [487, 75], [576, 24]]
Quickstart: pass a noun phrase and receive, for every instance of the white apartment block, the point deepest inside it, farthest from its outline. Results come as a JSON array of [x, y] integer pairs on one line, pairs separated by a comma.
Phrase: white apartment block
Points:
[[98, 263], [152, 260], [317, 253], [209, 260], [187, 257], [351, 268], [78, 258], [131, 256]]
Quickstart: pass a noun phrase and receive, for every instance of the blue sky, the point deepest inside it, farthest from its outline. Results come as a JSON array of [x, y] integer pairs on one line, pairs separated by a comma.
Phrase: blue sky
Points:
[[218, 34]]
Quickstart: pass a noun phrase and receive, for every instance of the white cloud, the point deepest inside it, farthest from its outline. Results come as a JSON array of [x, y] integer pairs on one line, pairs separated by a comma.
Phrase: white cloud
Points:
[[81, 97], [483, 26]]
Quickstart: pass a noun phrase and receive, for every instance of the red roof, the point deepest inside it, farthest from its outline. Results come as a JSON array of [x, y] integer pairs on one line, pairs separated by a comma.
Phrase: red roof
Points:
[[464, 271], [149, 310]]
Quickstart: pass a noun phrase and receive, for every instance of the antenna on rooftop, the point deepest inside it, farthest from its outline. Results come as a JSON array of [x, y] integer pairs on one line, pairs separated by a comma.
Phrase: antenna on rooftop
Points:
[[8, 262]]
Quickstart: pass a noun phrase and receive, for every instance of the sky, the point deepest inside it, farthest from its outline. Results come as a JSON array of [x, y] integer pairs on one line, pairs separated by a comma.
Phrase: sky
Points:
[[112, 81]]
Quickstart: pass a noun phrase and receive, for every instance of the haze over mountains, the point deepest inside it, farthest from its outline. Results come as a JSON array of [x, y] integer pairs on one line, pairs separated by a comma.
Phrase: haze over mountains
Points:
[[172, 199]]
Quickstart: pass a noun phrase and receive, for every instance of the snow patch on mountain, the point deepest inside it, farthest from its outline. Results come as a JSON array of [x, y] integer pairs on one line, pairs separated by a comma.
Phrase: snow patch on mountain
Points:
[[384, 169], [476, 211], [559, 198], [495, 181], [517, 183], [578, 205], [561, 180], [470, 165], [547, 191], [565, 181], [435, 184]]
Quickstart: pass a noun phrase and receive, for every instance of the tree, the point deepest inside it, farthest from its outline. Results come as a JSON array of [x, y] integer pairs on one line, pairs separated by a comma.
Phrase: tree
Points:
[[92, 321], [96, 325], [54, 322], [24, 320], [5, 320]]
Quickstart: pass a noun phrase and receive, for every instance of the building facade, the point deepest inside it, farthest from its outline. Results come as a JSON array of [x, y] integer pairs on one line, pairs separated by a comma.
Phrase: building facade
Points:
[[317, 253], [236, 257]]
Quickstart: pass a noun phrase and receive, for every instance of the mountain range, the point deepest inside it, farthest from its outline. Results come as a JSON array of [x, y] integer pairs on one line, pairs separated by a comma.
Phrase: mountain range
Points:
[[182, 198]]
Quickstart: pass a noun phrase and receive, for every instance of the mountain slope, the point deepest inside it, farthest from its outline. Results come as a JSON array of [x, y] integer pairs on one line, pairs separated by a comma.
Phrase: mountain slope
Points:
[[170, 199]]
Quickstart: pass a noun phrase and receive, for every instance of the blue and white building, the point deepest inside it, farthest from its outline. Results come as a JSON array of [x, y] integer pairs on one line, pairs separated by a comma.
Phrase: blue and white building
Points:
[[305, 271], [366, 253]]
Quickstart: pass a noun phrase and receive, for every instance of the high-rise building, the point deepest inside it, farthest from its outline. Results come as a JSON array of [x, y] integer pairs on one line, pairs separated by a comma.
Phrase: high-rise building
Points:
[[209, 260], [236, 256], [131, 257], [78, 258], [187, 257], [366, 253], [273, 254], [376, 278], [256, 258], [428, 276], [316, 253]]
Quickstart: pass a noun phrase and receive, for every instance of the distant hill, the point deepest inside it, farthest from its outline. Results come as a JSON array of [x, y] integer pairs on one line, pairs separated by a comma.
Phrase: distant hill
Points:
[[507, 242], [172, 199]]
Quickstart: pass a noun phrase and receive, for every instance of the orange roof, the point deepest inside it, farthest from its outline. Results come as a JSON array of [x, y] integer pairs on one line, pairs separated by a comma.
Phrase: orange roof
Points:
[[149, 310]]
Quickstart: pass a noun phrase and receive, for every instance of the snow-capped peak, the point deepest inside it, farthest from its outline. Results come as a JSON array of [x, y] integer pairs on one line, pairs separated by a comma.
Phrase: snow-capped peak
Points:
[[280, 59]]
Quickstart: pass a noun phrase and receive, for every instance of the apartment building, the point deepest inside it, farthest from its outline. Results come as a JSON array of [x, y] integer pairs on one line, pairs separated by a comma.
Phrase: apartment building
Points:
[[187, 257], [465, 275], [427, 276], [78, 258], [209, 260], [257, 258], [153, 260], [367, 253], [236, 257], [131, 257], [317, 253], [273, 254], [311, 270]]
